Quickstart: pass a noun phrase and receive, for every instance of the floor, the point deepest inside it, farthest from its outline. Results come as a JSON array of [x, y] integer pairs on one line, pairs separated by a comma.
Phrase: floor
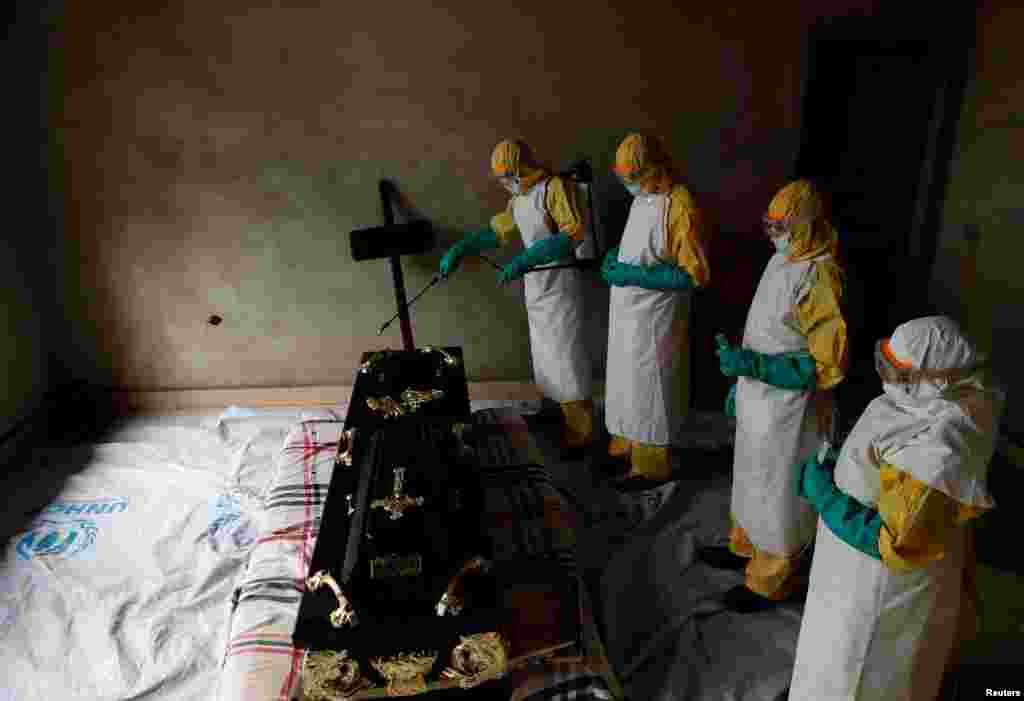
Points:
[[669, 640]]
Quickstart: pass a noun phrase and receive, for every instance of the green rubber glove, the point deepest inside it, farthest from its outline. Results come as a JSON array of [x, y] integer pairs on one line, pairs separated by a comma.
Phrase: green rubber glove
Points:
[[662, 276], [611, 260], [543, 251], [815, 480], [785, 370], [483, 240], [853, 523], [730, 402], [620, 274]]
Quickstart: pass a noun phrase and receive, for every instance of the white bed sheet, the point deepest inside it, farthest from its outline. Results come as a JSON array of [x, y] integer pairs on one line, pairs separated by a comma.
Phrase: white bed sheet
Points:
[[121, 587]]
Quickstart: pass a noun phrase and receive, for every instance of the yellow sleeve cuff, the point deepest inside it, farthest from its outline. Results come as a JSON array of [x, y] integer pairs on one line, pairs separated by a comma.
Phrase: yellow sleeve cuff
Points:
[[686, 236], [916, 520], [504, 226], [821, 319], [563, 210]]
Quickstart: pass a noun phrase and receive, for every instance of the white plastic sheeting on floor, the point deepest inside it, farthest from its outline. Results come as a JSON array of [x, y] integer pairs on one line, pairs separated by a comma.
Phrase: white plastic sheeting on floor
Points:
[[667, 636], [121, 587]]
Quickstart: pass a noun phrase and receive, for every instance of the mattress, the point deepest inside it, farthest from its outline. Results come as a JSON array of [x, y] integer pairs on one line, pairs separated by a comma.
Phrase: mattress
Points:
[[121, 587]]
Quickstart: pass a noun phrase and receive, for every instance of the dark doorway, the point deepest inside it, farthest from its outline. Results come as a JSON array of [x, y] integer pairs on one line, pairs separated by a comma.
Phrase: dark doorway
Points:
[[880, 112]]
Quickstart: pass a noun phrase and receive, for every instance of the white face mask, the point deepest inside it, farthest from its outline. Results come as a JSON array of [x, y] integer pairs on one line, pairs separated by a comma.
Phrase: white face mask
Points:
[[634, 189], [511, 184], [897, 392], [781, 243]]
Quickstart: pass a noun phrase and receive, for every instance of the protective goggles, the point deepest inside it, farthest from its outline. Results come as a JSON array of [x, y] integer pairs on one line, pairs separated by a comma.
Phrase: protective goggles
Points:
[[774, 227], [509, 182], [777, 227], [894, 371], [627, 174]]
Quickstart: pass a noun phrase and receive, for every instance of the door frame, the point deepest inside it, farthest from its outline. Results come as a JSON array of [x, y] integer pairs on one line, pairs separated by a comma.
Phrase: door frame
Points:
[[948, 47], [948, 44]]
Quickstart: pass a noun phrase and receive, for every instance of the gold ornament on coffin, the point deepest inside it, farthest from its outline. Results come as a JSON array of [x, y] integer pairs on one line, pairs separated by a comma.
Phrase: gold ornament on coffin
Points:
[[412, 401], [346, 442], [454, 598], [478, 659], [446, 357], [397, 503], [405, 674], [374, 358], [386, 406], [331, 676], [345, 614], [367, 366]]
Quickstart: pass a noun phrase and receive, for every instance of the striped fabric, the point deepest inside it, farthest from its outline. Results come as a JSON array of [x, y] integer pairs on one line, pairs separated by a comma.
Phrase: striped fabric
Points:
[[260, 663]]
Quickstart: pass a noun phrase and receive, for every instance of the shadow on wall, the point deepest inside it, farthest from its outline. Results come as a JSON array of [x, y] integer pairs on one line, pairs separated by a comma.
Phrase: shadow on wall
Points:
[[46, 408], [47, 449]]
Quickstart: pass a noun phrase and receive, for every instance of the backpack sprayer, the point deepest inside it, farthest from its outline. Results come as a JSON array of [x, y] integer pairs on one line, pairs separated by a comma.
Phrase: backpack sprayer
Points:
[[579, 172]]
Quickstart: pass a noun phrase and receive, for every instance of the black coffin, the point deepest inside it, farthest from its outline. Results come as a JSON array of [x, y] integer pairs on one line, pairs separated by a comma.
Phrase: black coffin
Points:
[[389, 373], [395, 570]]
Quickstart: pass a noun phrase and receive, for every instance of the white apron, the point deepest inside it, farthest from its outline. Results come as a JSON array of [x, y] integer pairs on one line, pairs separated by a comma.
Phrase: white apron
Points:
[[554, 306], [776, 428], [647, 389], [868, 633]]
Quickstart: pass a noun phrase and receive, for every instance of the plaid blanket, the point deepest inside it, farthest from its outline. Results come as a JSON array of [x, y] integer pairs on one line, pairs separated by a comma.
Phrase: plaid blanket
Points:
[[260, 663]]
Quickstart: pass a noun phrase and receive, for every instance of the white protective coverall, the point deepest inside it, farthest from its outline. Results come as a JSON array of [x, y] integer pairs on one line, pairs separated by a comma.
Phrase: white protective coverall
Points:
[[797, 308], [648, 344], [884, 630], [647, 392], [554, 304]]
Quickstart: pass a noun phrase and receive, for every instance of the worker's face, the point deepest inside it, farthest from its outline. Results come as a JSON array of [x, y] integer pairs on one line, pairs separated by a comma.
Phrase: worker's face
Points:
[[778, 232], [774, 228], [632, 187], [510, 183]]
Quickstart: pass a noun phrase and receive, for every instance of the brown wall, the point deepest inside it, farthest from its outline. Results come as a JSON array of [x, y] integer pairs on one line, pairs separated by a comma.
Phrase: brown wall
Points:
[[22, 349], [980, 281], [218, 154], [29, 323]]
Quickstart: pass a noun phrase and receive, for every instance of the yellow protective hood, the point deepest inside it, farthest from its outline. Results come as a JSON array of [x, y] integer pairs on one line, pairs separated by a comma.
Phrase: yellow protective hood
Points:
[[802, 207], [514, 158], [642, 159]]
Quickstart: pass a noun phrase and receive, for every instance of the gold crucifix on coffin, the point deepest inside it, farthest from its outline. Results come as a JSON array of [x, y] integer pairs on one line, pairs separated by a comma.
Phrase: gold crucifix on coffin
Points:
[[397, 503]]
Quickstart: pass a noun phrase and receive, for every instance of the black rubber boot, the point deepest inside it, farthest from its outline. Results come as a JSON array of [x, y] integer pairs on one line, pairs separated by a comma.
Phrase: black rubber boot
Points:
[[549, 414], [611, 469], [742, 600], [637, 483], [604, 466], [720, 557]]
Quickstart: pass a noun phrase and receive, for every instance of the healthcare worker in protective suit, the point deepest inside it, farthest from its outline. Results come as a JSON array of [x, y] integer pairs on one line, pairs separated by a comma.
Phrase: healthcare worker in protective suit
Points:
[[544, 213], [660, 260], [794, 352], [892, 579]]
